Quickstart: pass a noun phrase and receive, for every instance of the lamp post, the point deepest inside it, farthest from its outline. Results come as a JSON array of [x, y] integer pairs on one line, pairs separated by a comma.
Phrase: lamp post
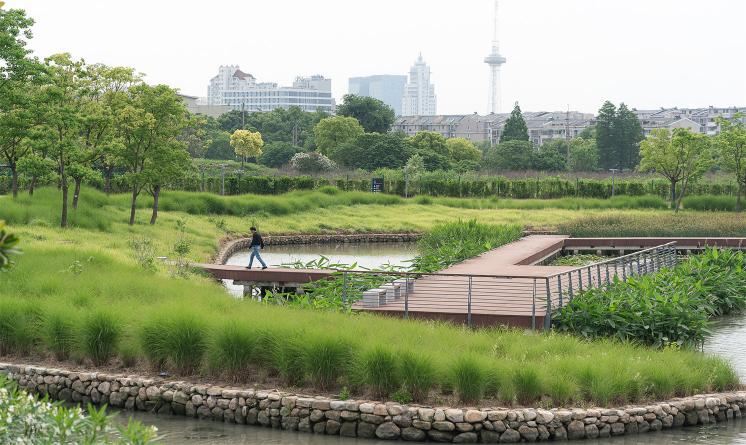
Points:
[[613, 171]]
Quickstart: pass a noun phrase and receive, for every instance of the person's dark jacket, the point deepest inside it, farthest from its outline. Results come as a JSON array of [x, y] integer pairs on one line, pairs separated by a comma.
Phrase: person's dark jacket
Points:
[[256, 240]]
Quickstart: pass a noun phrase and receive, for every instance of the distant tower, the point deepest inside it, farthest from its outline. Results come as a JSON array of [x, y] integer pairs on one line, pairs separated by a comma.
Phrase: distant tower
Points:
[[494, 60]]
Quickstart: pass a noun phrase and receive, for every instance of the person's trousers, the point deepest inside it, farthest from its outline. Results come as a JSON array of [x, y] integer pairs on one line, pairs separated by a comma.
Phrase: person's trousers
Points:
[[255, 253]]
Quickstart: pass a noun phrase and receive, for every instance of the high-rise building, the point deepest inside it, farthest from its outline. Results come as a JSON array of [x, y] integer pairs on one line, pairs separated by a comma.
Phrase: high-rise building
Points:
[[388, 88], [494, 60], [419, 94], [239, 90]]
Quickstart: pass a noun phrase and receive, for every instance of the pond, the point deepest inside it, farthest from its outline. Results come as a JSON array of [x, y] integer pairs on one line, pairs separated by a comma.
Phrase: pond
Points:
[[366, 255], [728, 338]]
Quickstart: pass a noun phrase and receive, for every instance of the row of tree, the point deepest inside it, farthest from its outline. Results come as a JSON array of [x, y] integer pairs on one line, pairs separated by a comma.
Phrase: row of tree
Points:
[[64, 119]]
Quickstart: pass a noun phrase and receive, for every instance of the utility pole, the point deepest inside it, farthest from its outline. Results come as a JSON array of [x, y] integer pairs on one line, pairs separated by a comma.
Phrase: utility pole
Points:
[[222, 179], [613, 171], [567, 133]]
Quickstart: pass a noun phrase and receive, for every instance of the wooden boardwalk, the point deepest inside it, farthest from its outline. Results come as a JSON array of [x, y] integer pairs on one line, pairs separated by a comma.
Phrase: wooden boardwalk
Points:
[[510, 299]]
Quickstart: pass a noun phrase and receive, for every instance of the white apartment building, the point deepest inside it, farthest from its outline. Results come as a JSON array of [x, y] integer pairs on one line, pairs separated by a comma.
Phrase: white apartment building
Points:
[[419, 94], [701, 120], [239, 90]]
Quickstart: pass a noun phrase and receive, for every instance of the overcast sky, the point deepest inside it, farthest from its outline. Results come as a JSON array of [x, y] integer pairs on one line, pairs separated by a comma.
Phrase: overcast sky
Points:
[[646, 53]]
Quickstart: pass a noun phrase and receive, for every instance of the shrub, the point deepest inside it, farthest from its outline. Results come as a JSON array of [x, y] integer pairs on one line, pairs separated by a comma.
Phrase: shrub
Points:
[[277, 154], [185, 341], [378, 369], [100, 336], [710, 202], [417, 373], [469, 378], [311, 162], [326, 360], [528, 384]]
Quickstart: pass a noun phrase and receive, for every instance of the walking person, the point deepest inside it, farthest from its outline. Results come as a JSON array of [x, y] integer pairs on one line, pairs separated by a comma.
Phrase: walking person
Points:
[[257, 244]]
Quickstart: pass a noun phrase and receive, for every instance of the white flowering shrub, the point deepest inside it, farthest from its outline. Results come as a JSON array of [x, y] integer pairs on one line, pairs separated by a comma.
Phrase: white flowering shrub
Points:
[[28, 420], [311, 161]]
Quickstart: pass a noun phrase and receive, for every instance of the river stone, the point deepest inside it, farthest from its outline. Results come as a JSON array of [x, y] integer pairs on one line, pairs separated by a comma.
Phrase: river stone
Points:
[[78, 386], [543, 416], [576, 430], [380, 410], [321, 404], [337, 405], [153, 393], [104, 387], [348, 429], [366, 408], [490, 437], [116, 398], [413, 434], [440, 436], [366, 430], [439, 415], [528, 433], [403, 420], [455, 415], [388, 431], [473, 416], [468, 437], [510, 436], [332, 415], [349, 415], [421, 424], [499, 426], [426, 414], [319, 428], [316, 415], [591, 431], [497, 415], [332, 427], [443, 426]]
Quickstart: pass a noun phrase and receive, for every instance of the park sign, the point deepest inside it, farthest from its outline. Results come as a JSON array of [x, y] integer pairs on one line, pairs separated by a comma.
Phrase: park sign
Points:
[[376, 185]]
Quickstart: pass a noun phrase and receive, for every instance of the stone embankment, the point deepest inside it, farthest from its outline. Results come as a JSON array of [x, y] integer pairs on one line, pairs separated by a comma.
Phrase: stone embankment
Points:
[[232, 246], [366, 419]]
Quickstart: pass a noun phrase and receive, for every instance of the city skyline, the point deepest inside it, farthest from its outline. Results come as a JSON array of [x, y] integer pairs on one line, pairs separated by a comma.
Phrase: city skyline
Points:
[[577, 52]]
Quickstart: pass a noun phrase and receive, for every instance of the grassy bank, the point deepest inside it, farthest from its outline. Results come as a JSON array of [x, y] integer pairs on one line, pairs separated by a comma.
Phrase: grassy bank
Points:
[[682, 224]]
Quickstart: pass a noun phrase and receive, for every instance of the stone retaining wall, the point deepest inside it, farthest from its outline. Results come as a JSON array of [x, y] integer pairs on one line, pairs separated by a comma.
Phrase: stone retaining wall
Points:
[[367, 419], [233, 246]]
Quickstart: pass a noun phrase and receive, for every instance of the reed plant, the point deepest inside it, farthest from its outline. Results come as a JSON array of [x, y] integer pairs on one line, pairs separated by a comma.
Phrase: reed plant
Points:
[[326, 360], [230, 350], [100, 336], [59, 332], [418, 374], [17, 326], [469, 376], [379, 371]]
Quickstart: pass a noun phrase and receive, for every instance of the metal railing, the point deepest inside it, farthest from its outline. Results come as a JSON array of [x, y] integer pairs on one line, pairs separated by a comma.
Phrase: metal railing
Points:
[[473, 298]]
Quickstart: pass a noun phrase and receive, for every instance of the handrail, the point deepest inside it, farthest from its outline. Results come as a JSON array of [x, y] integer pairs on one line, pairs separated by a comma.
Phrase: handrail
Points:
[[612, 260]]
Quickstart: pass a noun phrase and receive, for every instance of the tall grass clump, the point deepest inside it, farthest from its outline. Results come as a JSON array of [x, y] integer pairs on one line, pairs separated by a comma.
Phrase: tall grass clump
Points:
[[180, 339], [378, 370], [451, 243], [326, 359], [59, 333], [528, 383], [17, 326], [231, 349], [100, 336], [418, 374], [287, 351], [469, 378], [681, 224]]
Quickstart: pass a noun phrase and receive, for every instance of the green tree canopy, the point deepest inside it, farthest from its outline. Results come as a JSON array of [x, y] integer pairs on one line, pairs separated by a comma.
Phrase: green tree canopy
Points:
[[371, 151], [247, 144], [605, 140], [548, 158], [583, 155], [681, 157], [511, 155], [515, 127], [433, 149], [373, 115], [460, 149], [220, 146], [332, 132], [627, 134], [277, 154], [731, 146]]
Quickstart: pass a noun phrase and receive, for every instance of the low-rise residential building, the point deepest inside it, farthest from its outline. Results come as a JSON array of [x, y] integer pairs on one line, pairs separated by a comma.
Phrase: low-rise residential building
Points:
[[701, 120]]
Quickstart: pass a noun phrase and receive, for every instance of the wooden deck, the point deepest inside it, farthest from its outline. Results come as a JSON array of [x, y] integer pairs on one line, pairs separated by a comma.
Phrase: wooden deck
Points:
[[279, 275], [510, 299]]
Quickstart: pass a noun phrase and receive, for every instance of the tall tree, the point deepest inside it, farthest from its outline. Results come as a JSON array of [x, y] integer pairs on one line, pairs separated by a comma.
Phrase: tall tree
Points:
[[515, 127], [433, 149], [371, 151], [583, 155], [461, 149], [606, 136], [511, 155], [731, 145], [148, 122], [247, 144], [627, 133], [334, 131], [63, 119], [18, 71], [166, 165], [373, 115], [681, 157]]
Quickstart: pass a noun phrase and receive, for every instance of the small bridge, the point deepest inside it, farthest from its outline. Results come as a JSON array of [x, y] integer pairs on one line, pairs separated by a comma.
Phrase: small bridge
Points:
[[275, 278]]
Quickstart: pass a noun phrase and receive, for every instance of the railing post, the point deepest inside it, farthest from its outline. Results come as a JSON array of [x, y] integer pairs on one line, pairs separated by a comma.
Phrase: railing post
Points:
[[608, 280], [533, 308], [559, 290], [624, 269], [548, 316], [468, 303], [344, 288], [598, 274], [569, 284], [406, 300], [580, 280], [639, 268]]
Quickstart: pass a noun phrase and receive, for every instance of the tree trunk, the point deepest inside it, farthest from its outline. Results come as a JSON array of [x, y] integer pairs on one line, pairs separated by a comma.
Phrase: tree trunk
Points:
[[156, 195], [132, 207], [673, 194], [14, 179], [741, 190], [64, 187], [682, 194], [76, 194], [32, 186]]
